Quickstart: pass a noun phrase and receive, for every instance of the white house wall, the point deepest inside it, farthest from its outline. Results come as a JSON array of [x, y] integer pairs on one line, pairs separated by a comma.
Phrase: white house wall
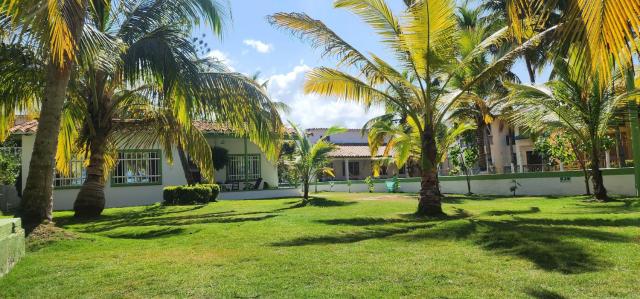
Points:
[[235, 146], [119, 196], [172, 174]]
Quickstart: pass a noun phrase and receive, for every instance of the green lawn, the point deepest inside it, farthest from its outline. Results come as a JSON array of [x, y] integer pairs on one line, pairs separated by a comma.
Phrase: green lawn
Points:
[[343, 245]]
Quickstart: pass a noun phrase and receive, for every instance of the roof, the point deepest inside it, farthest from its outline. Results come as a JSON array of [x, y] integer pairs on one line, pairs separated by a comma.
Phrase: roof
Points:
[[31, 127], [354, 151], [24, 127]]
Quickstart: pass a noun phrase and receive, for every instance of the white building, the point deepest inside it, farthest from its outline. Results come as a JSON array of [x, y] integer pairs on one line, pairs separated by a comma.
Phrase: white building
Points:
[[352, 160], [142, 173]]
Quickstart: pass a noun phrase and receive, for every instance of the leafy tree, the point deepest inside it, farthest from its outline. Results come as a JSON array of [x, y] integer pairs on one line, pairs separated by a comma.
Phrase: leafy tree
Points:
[[310, 160], [464, 159], [426, 41]]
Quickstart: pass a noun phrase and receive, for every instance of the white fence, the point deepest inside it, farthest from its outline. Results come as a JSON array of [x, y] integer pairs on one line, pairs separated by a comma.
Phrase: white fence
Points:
[[617, 181]]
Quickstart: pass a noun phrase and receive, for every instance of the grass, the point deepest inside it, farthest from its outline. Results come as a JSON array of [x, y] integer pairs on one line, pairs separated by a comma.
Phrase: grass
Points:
[[343, 245]]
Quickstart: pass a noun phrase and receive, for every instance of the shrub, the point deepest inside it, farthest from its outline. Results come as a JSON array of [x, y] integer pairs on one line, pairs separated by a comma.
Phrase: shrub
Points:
[[628, 163], [369, 181], [9, 168], [189, 195], [220, 157]]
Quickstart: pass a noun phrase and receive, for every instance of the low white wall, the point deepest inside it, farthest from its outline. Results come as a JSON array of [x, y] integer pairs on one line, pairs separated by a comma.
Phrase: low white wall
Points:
[[260, 194], [616, 184]]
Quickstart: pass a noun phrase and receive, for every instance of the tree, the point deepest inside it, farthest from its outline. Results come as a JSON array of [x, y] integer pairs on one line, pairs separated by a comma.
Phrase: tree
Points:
[[402, 140], [582, 107], [464, 159], [563, 146], [159, 82], [310, 160], [425, 40], [55, 29]]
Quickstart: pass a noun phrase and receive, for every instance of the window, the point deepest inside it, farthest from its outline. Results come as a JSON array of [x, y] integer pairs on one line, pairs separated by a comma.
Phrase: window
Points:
[[137, 167], [77, 175], [354, 169], [236, 167]]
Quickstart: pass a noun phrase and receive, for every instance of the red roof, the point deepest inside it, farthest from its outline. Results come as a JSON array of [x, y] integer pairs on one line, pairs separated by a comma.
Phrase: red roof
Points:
[[355, 151], [31, 127], [24, 127]]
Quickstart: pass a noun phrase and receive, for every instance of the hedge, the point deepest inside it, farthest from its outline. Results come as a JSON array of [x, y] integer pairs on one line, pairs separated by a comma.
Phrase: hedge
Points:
[[189, 195]]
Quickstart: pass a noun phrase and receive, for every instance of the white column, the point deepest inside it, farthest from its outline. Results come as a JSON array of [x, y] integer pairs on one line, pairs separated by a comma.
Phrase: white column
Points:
[[346, 168], [519, 161], [561, 166], [607, 159]]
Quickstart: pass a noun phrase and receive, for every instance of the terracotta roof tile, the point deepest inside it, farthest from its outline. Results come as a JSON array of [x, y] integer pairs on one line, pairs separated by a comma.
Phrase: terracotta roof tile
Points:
[[354, 151], [24, 127], [30, 127]]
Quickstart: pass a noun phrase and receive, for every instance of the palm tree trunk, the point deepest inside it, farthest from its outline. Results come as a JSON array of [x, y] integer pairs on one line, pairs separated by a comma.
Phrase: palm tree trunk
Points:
[[599, 190], [487, 144], [583, 165], [186, 167], [91, 200], [37, 201], [429, 203], [482, 153], [305, 188], [530, 70]]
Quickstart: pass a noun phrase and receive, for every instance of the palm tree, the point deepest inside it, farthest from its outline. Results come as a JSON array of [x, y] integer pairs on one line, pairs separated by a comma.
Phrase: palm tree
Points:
[[582, 107], [604, 31], [481, 99], [425, 40], [160, 83], [401, 139], [311, 160], [54, 28]]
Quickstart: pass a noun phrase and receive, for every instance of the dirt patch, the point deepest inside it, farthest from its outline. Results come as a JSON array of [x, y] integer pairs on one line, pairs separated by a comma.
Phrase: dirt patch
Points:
[[45, 234]]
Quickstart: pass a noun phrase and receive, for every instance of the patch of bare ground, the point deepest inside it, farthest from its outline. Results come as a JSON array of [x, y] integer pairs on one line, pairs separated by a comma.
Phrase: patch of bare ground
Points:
[[47, 233]]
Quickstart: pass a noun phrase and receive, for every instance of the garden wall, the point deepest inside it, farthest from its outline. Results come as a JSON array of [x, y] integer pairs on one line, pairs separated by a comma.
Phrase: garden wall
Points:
[[260, 194], [11, 244], [617, 181]]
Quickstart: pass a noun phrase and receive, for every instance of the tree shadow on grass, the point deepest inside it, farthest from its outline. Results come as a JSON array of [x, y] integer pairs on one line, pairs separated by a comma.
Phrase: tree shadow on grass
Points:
[[376, 228], [148, 234], [548, 243], [541, 293], [545, 244], [531, 210], [102, 225]]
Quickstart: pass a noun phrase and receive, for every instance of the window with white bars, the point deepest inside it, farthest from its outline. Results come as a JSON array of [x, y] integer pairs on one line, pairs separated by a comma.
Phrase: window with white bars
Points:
[[137, 167], [76, 177], [236, 169]]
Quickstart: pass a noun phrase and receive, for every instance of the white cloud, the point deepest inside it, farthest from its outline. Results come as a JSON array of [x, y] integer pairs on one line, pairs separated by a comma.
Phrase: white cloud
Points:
[[222, 57], [309, 110], [260, 46]]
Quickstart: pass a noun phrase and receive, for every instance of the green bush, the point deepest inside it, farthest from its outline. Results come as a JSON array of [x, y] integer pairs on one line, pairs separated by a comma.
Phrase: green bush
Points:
[[9, 168], [189, 195], [628, 163]]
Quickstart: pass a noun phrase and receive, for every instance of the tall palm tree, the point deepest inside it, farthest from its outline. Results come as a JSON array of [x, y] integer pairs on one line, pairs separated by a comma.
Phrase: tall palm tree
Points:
[[310, 160], [160, 83], [425, 41], [582, 107], [55, 28]]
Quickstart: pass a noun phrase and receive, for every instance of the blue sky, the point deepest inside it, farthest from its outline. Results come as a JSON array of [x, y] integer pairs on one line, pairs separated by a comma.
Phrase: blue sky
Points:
[[250, 44]]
